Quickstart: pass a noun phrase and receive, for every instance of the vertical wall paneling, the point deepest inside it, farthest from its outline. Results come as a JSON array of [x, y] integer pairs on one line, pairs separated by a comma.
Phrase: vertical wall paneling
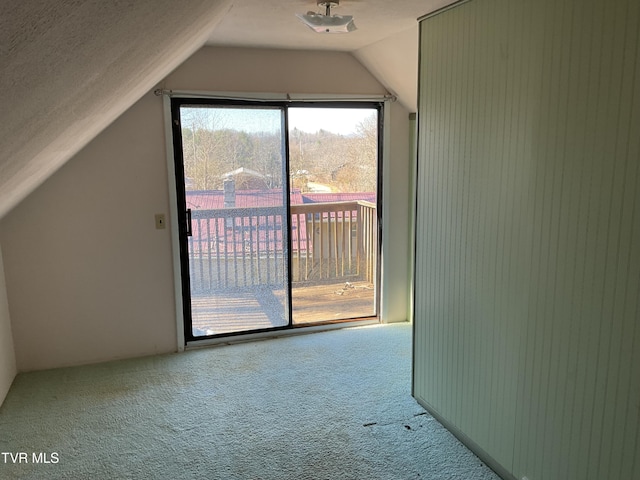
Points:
[[7, 353], [527, 277]]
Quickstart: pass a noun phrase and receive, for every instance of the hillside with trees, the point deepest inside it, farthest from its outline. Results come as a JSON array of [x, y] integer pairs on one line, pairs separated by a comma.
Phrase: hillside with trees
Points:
[[345, 163]]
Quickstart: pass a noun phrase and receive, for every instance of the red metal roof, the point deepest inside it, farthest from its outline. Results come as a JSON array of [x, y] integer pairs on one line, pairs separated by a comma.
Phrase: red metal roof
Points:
[[214, 199]]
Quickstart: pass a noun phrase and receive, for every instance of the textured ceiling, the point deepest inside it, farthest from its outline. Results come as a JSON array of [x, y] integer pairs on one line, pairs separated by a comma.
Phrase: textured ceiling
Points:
[[256, 23]]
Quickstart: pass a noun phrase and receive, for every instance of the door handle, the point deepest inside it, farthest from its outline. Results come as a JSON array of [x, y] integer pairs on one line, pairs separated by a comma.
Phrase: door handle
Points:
[[189, 231]]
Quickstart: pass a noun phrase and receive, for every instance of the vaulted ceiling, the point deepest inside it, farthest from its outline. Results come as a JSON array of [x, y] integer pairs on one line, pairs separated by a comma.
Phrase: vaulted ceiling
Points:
[[71, 67]]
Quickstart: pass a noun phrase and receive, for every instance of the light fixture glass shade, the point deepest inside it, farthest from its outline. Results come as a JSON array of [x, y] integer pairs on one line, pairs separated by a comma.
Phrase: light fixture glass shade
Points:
[[328, 23]]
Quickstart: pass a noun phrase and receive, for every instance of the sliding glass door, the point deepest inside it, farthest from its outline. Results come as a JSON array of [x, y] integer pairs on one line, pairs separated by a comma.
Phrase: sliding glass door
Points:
[[235, 236], [278, 214]]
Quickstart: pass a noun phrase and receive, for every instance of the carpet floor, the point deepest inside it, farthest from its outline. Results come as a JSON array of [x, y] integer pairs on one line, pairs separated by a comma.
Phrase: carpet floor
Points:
[[331, 405]]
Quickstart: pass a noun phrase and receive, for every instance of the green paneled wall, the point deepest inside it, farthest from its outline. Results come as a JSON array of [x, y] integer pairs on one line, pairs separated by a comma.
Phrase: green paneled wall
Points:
[[527, 318]]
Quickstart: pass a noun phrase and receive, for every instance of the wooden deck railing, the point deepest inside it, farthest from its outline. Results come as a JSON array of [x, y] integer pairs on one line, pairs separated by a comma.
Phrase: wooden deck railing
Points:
[[339, 241], [242, 247]]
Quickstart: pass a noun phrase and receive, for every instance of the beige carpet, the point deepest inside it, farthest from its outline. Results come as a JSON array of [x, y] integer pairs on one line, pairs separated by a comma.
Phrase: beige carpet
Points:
[[333, 405]]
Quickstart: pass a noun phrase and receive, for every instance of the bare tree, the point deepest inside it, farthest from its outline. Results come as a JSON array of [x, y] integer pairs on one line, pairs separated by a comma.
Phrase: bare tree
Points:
[[358, 173], [200, 147]]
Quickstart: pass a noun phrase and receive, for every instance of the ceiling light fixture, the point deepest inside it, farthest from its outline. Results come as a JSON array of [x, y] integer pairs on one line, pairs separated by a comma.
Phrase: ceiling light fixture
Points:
[[326, 23]]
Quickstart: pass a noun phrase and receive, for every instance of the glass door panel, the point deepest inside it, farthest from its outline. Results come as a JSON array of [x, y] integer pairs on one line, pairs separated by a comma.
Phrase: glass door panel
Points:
[[333, 176], [236, 212]]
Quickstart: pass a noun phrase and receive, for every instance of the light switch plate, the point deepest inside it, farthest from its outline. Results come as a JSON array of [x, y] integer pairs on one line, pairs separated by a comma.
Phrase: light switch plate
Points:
[[160, 221]]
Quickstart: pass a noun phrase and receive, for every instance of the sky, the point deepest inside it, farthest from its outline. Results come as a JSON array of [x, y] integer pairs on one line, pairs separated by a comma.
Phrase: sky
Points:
[[336, 120]]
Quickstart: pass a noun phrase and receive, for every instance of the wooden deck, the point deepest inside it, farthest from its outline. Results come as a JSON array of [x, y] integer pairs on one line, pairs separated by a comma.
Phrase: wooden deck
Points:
[[259, 308]]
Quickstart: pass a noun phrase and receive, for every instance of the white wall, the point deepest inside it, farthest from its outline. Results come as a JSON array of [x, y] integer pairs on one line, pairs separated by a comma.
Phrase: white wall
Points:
[[278, 71], [527, 328], [88, 277], [394, 61], [396, 211], [7, 355]]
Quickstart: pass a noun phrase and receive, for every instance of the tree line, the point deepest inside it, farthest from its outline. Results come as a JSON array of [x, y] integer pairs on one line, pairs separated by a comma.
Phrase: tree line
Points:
[[345, 163]]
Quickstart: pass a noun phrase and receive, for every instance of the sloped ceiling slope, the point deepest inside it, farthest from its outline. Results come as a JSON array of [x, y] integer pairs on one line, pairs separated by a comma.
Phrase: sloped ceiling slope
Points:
[[69, 68], [394, 62]]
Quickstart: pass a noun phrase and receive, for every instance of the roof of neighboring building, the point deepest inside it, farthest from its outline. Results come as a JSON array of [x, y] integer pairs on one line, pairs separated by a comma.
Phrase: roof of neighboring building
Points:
[[214, 199], [242, 171]]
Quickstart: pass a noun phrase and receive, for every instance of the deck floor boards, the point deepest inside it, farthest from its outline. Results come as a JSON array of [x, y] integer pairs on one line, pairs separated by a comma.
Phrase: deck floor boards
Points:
[[254, 309]]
